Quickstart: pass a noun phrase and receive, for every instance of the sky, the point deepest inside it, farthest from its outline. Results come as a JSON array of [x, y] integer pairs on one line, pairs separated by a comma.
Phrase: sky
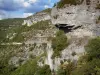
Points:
[[23, 8]]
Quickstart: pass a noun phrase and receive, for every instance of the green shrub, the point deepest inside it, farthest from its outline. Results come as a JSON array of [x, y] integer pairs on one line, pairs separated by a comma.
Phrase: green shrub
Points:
[[98, 6], [45, 70], [59, 43], [90, 68], [93, 48], [88, 2], [47, 10], [56, 16], [6, 52], [62, 3], [31, 48], [28, 68], [73, 53], [92, 65], [42, 25], [66, 69], [99, 18], [18, 38], [44, 45]]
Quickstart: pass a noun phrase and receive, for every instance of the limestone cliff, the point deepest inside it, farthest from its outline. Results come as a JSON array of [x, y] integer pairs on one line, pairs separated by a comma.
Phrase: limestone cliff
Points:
[[36, 17], [79, 23], [82, 20]]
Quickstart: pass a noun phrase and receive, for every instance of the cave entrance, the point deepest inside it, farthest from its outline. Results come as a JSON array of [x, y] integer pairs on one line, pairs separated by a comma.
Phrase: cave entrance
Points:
[[66, 28]]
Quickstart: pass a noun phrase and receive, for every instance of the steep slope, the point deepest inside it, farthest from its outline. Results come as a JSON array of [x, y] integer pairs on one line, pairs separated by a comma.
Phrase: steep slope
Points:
[[79, 23], [8, 24], [40, 16], [31, 45]]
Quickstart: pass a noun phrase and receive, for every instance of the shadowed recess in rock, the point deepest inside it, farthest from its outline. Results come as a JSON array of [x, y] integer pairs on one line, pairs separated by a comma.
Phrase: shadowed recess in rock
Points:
[[66, 28]]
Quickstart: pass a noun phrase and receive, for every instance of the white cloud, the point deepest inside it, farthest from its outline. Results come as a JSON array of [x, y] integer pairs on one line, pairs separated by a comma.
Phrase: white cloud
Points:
[[22, 8], [46, 6], [3, 14], [27, 14], [32, 1], [26, 4]]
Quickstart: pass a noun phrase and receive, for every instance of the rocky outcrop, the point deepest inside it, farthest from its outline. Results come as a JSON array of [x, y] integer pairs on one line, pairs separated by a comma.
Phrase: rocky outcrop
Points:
[[80, 15], [81, 22], [36, 18]]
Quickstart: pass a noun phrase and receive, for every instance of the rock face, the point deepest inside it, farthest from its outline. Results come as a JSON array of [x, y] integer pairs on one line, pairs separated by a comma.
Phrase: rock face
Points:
[[37, 44], [36, 17], [82, 18], [80, 15]]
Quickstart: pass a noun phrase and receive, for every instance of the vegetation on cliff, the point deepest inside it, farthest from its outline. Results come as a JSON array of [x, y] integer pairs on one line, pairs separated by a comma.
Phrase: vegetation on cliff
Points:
[[98, 6], [59, 43], [62, 3], [88, 64], [8, 24]]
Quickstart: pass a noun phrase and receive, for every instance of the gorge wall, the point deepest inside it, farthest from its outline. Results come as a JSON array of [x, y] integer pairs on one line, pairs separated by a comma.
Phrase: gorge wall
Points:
[[78, 20]]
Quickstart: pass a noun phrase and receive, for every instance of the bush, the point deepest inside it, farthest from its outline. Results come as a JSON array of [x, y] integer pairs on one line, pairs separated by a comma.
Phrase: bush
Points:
[[31, 68], [28, 68], [62, 3], [98, 6], [59, 43], [47, 10], [45, 70], [90, 68], [56, 16], [73, 53], [92, 65], [93, 48], [18, 38], [66, 69], [6, 52], [42, 25], [99, 18]]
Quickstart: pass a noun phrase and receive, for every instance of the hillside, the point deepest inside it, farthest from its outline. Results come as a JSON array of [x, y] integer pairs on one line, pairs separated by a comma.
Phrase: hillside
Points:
[[63, 40], [8, 24]]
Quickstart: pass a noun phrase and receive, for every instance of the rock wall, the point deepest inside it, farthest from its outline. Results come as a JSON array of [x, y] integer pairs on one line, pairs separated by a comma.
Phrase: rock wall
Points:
[[36, 17], [82, 15]]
